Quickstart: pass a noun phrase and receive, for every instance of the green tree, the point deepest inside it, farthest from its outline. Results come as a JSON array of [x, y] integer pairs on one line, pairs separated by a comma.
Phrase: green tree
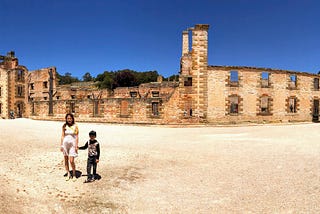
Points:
[[147, 76], [87, 77], [125, 78], [105, 80], [67, 78]]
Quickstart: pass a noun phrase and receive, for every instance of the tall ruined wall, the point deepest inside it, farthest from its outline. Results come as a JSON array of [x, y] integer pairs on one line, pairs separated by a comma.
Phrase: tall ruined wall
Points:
[[199, 69], [249, 91], [38, 83], [4, 93], [148, 103], [13, 86], [111, 110]]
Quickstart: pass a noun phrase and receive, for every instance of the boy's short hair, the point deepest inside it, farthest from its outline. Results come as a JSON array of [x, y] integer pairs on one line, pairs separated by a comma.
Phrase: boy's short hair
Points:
[[92, 133]]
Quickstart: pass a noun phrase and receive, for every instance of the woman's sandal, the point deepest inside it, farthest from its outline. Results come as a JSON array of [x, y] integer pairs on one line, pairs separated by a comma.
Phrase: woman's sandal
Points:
[[67, 177]]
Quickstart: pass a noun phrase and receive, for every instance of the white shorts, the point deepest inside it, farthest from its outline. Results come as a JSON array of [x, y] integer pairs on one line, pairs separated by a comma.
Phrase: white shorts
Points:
[[69, 148]]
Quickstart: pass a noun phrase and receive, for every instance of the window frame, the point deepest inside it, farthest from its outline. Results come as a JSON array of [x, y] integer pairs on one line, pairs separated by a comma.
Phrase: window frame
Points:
[[234, 78], [294, 108], [268, 103], [155, 109], [265, 81], [293, 82], [316, 85], [187, 81], [233, 108]]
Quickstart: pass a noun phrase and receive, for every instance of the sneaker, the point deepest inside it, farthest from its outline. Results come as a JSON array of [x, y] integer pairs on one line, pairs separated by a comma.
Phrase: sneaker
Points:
[[87, 181], [74, 178], [67, 177]]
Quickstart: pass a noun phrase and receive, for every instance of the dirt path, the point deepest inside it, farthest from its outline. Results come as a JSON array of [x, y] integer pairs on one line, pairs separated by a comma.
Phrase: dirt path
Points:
[[247, 169]]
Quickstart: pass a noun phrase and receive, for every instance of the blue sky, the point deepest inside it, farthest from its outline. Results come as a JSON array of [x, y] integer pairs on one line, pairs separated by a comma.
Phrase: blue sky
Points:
[[98, 35]]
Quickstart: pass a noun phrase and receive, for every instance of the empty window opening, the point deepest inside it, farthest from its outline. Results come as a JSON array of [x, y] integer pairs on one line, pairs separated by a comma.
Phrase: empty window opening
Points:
[[96, 104], [292, 105], [19, 109], [234, 77], [265, 105], [293, 81], [188, 81], [19, 91], [155, 94], [234, 104], [316, 83], [45, 84], [316, 107], [32, 86], [20, 75], [265, 79], [155, 109], [133, 94], [73, 96], [72, 107]]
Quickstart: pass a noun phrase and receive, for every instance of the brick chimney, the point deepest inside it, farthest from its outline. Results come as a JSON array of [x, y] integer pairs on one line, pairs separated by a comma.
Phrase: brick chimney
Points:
[[185, 42], [200, 69]]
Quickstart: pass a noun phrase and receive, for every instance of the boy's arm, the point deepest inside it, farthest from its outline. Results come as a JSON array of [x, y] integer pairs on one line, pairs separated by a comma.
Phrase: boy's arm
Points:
[[84, 147]]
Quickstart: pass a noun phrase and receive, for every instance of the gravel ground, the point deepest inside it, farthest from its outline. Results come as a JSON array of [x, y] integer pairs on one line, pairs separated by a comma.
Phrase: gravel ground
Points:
[[157, 169]]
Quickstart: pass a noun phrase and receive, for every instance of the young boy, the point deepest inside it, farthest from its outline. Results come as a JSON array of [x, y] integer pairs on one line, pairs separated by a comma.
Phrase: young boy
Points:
[[93, 155]]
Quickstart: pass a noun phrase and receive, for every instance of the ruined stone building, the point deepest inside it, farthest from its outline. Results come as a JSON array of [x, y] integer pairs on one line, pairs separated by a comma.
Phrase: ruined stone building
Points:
[[203, 94]]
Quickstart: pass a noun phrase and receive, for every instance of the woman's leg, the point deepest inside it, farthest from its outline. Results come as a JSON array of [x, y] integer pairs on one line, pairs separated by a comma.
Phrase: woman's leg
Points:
[[66, 165], [73, 166]]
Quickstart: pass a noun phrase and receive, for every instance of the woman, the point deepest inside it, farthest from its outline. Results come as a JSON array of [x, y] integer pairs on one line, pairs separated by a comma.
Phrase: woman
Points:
[[69, 144]]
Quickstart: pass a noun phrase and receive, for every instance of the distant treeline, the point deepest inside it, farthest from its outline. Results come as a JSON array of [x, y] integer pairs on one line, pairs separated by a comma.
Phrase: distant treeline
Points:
[[114, 79]]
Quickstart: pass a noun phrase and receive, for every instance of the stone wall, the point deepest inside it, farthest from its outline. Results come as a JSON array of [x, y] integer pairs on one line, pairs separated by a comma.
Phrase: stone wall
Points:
[[4, 93], [13, 86], [112, 110], [39, 82], [250, 91]]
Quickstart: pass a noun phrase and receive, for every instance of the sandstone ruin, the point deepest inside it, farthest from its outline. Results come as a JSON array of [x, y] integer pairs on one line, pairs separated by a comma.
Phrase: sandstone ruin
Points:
[[204, 94]]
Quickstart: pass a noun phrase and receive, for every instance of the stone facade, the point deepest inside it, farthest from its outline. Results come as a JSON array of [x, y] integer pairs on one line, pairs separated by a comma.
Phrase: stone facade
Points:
[[204, 94], [258, 99], [13, 87]]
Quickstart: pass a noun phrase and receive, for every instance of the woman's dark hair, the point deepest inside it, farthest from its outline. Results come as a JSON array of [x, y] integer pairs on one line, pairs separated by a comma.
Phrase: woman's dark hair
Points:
[[66, 123]]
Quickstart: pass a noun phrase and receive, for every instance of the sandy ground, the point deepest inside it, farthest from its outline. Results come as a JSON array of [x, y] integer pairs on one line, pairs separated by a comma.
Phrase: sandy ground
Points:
[[245, 169]]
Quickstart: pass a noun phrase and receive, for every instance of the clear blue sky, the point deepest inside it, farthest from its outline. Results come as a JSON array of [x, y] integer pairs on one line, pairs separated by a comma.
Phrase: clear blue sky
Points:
[[98, 35]]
